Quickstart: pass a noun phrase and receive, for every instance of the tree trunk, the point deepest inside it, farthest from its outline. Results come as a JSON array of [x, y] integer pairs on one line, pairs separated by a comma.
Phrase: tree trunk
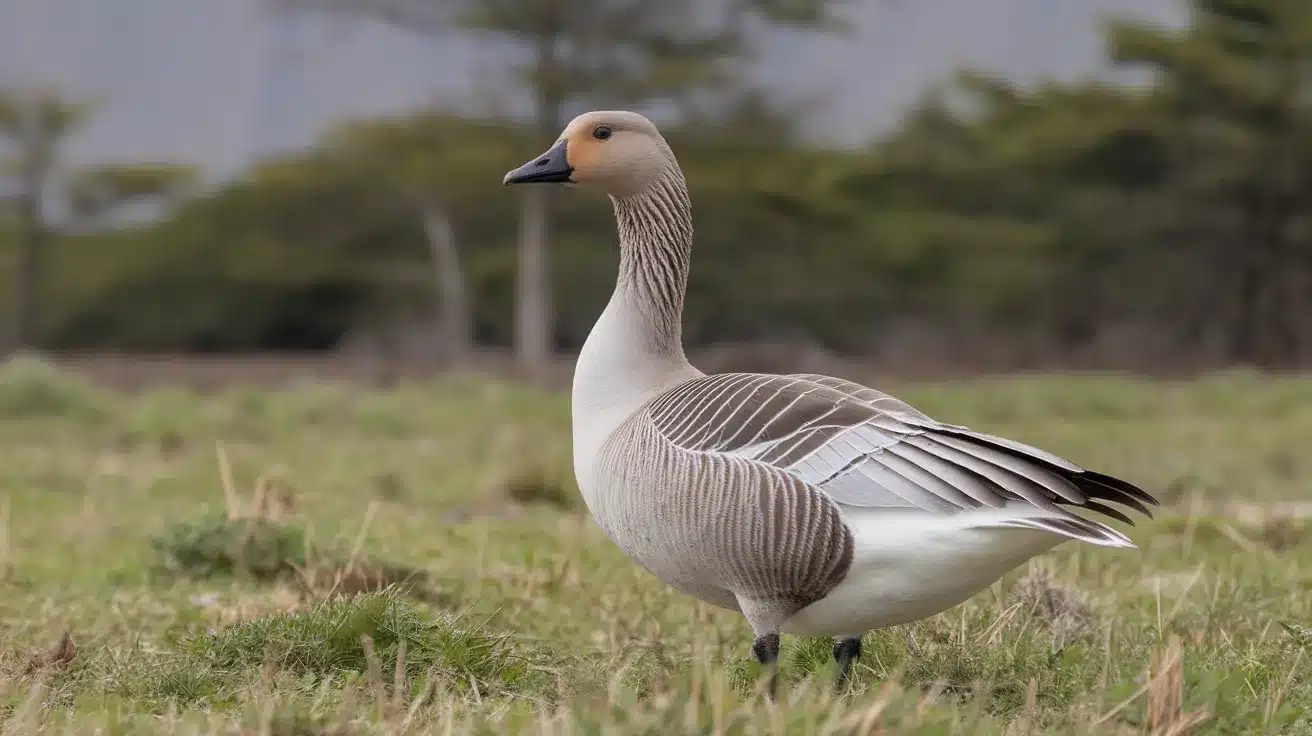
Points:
[[30, 271], [533, 323], [1243, 340], [456, 318], [1255, 331], [1281, 347], [534, 326]]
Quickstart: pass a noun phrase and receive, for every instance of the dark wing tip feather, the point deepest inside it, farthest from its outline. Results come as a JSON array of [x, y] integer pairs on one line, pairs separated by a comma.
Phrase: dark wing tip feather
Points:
[[1121, 485], [1106, 510], [1094, 485], [1095, 489]]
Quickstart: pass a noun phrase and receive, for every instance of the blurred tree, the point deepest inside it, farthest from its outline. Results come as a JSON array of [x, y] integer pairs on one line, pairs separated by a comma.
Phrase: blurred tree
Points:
[[97, 192], [1147, 225], [679, 53], [1094, 193], [404, 158], [1026, 195], [1234, 89], [304, 250], [35, 124], [420, 167]]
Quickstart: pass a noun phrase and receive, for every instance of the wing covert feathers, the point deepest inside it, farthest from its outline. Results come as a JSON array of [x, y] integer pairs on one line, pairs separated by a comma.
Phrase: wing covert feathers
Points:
[[866, 448]]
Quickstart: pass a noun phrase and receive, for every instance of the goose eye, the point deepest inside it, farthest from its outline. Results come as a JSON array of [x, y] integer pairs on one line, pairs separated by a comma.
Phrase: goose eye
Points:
[[601, 133]]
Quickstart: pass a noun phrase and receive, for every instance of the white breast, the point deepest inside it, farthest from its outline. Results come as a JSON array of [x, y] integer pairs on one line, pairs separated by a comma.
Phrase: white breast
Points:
[[614, 377]]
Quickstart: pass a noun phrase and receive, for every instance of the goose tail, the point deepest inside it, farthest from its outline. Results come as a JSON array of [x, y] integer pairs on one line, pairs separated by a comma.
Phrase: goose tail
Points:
[[1074, 527], [1058, 521]]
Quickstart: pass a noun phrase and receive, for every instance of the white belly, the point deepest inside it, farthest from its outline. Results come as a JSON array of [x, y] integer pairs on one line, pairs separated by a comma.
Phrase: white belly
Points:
[[908, 565]]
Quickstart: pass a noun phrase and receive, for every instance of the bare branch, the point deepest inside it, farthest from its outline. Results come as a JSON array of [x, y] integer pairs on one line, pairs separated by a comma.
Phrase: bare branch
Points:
[[94, 191], [421, 16]]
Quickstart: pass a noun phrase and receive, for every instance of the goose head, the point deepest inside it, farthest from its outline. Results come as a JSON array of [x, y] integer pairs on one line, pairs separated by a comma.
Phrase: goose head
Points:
[[618, 152]]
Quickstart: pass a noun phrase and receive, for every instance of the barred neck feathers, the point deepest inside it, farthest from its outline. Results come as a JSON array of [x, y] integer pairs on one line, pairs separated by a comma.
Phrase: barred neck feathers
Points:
[[655, 230], [635, 349]]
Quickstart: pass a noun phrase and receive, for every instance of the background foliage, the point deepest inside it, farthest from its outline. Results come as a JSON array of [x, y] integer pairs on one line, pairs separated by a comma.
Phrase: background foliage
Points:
[[1161, 222]]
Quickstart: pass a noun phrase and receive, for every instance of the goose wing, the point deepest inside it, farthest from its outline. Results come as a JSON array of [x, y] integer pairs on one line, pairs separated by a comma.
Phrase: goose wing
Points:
[[865, 448]]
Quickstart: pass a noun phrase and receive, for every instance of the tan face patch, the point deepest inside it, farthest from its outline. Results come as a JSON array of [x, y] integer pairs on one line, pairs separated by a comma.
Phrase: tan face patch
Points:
[[582, 151]]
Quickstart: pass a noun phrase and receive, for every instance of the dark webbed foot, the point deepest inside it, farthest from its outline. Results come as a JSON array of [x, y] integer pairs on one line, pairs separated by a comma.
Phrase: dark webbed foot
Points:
[[766, 649], [847, 650]]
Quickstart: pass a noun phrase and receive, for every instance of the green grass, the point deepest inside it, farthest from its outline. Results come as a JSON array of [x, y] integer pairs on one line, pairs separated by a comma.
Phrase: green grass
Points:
[[125, 521], [270, 550], [329, 639]]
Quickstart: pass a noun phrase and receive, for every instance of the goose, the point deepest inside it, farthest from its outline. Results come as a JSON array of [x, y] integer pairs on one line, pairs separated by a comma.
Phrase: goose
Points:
[[813, 505]]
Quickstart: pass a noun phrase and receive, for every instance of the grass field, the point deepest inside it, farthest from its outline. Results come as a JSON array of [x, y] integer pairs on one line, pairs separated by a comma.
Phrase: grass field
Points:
[[322, 559]]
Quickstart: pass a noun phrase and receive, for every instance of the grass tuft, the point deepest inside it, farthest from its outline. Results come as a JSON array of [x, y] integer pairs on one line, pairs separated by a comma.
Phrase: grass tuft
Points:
[[254, 539], [1301, 635], [338, 638], [1282, 534], [292, 721], [55, 657], [268, 550], [31, 387], [539, 484], [1064, 609], [215, 545]]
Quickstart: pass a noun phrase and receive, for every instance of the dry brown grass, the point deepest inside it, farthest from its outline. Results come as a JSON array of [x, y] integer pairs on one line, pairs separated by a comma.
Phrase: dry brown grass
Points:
[[1165, 693], [1063, 608]]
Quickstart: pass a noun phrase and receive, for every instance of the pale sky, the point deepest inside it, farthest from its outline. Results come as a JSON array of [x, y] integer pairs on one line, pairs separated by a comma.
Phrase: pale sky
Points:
[[219, 82]]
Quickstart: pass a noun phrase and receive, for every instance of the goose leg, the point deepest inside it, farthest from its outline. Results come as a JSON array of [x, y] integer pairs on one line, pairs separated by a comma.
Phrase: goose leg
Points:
[[847, 649], [766, 649], [766, 617]]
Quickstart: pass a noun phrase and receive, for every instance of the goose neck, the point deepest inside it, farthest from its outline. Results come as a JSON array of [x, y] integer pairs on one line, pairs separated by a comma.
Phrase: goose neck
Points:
[[655, 233], [635, 349]]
